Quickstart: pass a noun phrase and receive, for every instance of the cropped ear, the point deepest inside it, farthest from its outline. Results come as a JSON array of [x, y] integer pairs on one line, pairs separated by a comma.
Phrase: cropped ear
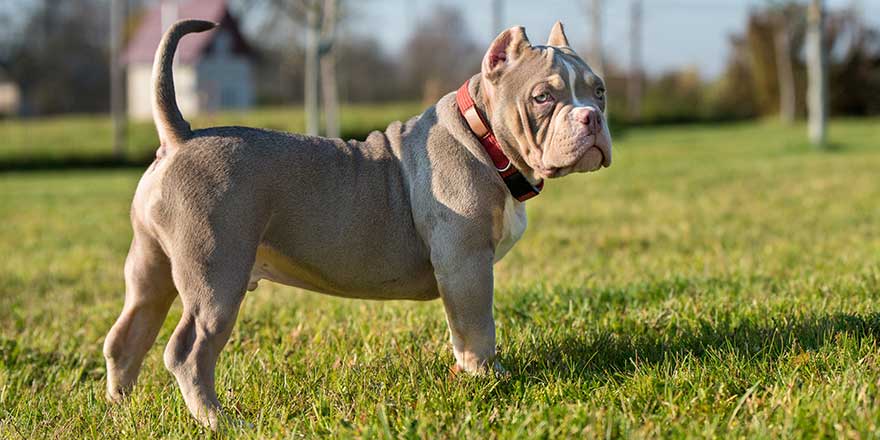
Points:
[[557, 36], [506, 48]]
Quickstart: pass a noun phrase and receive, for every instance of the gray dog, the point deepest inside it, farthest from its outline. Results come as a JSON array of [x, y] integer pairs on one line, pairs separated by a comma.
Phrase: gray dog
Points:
[[421, 211]]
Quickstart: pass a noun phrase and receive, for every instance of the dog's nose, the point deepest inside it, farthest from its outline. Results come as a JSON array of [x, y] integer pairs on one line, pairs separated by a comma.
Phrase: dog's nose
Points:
[[589, 117]]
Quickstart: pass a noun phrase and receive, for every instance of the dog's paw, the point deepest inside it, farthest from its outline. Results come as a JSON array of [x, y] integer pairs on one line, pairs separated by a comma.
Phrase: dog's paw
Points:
[[115, 394], [455, 370], [493, 368]]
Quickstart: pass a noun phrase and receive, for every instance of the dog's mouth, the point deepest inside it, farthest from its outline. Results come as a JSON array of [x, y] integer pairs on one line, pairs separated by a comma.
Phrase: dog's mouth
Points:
[[606, 157], [550, 173], [593, 158]]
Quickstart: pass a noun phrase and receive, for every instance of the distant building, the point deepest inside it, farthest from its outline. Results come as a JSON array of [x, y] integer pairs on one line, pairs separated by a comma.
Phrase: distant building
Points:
[[212, 71], [10, 96]]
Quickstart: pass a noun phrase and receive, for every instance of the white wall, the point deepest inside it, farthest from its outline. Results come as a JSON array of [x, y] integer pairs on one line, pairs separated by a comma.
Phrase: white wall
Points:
[[225, 79], [9, 98], [140, 90]]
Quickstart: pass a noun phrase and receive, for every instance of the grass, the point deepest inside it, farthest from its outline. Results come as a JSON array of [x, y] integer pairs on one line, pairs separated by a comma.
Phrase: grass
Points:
[[715, 281], [87, 140]]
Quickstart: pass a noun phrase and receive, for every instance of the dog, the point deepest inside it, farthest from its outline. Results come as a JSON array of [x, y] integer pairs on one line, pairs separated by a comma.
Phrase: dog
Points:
[[420, 211]]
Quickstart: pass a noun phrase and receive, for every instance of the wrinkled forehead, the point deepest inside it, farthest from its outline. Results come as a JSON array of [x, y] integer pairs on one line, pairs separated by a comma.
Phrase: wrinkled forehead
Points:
[[567, 62], [549, 62]]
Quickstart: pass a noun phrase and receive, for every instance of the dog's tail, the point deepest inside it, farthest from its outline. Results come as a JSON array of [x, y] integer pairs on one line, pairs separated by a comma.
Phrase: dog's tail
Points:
[[172, 128]]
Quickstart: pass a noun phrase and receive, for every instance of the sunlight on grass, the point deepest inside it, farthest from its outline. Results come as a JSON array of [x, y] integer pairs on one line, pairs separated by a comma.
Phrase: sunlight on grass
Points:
[[715, 281]]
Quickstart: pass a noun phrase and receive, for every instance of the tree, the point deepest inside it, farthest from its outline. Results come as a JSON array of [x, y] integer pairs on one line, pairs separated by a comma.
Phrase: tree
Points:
[[117, 82], [58, 56], [367, 73], [636, 75], [313, 120], [763, 69], [757, 81], [497, 17], [784, 65], [440, 55], [364, 72], [597, 52], [320, 18], [329, 84], [817, 70], [854, 64]]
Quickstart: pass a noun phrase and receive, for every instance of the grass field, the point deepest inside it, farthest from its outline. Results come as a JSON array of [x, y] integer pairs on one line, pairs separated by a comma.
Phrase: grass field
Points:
[[715, 281], [86, 140]]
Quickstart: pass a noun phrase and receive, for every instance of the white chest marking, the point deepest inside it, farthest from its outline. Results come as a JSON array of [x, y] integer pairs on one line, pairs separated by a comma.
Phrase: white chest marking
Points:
[[513, 226]]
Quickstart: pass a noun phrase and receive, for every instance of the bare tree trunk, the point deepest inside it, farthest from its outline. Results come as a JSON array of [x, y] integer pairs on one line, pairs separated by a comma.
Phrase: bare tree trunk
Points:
[[329, 85], [785, 71], [817, 73], [497, 17], [329, 90], [634, 84], [313, 117], [117, 92], [597, 60], [285, 72]]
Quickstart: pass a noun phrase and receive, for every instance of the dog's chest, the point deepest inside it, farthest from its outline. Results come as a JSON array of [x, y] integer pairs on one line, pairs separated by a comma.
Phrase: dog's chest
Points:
[[513, 226]]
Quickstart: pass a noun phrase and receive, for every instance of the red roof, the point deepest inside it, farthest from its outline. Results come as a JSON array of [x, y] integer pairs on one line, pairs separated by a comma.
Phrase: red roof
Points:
[[142, 46]]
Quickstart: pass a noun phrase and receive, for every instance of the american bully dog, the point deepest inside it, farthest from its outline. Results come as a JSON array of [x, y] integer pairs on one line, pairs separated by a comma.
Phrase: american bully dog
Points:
[[420, 211]]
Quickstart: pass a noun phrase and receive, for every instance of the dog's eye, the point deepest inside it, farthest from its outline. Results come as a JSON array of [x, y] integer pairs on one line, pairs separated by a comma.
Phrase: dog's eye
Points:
[[600, 92], [543, 98]]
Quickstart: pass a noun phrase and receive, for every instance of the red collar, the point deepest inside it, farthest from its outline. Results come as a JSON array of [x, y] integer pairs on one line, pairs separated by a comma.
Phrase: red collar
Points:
[[519, 186]]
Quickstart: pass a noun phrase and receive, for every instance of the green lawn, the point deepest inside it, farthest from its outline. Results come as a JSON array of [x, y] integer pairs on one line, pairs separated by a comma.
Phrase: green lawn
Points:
[[715, 281], [88, 139]]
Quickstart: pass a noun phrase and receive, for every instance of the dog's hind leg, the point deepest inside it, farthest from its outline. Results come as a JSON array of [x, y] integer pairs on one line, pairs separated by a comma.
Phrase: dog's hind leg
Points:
[[149, 292], [212, 285]]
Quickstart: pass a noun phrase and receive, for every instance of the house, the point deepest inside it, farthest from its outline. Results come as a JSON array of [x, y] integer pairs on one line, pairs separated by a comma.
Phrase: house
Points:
[[213, 70], [10, 96]]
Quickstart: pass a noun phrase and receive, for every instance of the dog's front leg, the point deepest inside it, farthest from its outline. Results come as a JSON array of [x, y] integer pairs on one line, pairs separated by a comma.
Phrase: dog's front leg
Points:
[[466, 283]]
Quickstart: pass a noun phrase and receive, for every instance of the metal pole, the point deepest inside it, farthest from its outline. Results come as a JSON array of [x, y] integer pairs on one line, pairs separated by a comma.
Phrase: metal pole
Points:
[[634, 85], [117, 80], [598, 57], [497, 18], [817, 74], [329, 84], [313, 122]]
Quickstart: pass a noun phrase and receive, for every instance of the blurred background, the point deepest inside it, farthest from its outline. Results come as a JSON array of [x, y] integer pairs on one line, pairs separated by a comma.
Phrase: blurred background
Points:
[[343, 68]]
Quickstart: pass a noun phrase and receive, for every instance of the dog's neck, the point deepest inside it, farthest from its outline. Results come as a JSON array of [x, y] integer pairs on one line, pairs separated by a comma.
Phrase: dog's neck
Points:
[[482, 93]]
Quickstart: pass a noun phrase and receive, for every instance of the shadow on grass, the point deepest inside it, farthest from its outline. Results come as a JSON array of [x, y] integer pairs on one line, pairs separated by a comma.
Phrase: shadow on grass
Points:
[[62, 163], [140, 159], [36, 366], [610, 353], [802, 147]]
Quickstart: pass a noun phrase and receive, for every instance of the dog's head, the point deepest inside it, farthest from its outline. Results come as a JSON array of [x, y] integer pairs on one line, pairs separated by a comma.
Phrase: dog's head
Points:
[[545, 105]]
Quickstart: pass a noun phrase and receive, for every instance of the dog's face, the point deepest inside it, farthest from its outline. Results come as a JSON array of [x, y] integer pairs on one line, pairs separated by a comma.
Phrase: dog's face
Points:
[[545, 103]]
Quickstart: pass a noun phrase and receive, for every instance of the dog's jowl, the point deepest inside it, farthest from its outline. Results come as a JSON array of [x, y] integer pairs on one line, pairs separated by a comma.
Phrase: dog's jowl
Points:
[[420, 211]]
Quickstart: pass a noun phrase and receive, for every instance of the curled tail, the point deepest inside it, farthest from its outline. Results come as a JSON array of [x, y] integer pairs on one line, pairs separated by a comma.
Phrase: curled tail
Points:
[[172, 128]]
